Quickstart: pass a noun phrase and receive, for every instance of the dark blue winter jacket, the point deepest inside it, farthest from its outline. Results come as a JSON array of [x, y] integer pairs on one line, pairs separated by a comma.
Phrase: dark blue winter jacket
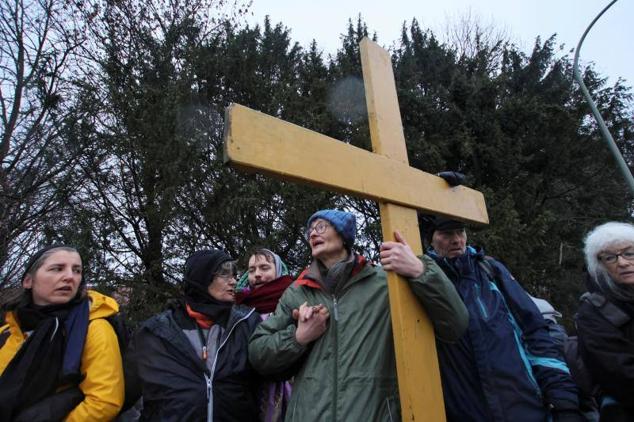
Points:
[[506, 367]]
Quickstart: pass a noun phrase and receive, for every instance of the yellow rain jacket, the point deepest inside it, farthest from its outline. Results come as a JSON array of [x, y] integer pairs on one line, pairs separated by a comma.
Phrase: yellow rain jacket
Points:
[[103, 385]]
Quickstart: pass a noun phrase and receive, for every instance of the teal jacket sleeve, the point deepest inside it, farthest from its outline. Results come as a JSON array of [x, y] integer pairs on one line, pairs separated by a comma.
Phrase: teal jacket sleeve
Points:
[[441, 301]]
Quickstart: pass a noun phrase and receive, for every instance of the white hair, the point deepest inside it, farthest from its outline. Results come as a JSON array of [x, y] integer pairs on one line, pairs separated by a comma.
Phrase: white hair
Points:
[[602, 237], [599, 239]]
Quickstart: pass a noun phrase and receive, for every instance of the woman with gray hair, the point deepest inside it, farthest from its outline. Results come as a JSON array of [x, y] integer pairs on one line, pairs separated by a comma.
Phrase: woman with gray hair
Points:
[[605, 319]]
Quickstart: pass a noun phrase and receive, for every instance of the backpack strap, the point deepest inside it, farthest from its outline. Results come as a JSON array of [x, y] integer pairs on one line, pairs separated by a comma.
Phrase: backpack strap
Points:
[[608, 310], [493, 274], [130, 371], [119, 325], [488, 269]]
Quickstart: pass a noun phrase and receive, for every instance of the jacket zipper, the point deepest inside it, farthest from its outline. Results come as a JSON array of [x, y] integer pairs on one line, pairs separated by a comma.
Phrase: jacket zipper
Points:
[[335, 309], [389, 409], [210, 411], [336, 360], [336, 348], [210, 397], [483, 309]]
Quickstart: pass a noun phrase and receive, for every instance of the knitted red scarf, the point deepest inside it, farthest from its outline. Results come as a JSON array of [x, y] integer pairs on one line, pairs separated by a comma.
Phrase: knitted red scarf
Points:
[[264, 299]]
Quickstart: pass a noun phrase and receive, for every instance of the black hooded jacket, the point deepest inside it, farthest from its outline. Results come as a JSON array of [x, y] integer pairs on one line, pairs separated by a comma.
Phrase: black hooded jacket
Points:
[[175, 378], [608, 350]]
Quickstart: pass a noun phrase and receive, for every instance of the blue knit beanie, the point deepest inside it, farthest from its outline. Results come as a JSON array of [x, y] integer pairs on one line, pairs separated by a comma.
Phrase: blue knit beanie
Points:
[[345, 224]]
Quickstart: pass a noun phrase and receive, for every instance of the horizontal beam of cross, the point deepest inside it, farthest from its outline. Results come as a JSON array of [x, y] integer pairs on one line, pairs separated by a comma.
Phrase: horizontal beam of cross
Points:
[[258, 142]]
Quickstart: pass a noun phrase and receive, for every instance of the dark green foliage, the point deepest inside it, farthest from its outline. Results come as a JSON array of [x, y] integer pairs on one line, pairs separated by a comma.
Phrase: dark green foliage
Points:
[[522, 134], [150, 186]]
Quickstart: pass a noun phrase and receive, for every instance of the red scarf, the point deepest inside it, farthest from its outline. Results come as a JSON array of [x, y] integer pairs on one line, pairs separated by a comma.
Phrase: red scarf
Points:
[[264, 299], [201, 319]]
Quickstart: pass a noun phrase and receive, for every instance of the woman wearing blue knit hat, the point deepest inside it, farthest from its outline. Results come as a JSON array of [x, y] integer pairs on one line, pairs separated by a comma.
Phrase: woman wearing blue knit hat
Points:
[[332, 326]]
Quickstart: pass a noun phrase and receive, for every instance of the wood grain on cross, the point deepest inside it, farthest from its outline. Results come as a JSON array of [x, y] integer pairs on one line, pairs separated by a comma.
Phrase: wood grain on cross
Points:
[[255, 141]]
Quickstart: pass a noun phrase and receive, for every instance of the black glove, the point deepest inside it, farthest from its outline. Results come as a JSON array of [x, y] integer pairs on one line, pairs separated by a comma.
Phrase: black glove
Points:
[[567, 416], [52, 408], [452, 177]]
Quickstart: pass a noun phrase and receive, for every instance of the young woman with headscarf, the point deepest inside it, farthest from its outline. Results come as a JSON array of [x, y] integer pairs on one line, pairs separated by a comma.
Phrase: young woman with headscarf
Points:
[[61, 359], [192, 358], [261, 287]]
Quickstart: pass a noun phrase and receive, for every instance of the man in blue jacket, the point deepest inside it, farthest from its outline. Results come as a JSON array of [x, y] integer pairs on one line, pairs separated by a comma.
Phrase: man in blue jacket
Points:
[[506, 367]]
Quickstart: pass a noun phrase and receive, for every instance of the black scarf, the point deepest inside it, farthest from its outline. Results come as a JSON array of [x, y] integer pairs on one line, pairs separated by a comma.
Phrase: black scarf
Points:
[[49, 358], [205, 304]]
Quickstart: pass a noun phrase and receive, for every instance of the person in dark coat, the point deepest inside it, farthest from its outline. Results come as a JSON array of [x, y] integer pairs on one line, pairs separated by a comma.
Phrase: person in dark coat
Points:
[[605, 322], [506, 367], [192, 358]]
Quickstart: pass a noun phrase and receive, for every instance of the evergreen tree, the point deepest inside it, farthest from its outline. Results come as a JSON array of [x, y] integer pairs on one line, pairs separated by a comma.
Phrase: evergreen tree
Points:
[[519, 129], [143, 181], [261, 69]]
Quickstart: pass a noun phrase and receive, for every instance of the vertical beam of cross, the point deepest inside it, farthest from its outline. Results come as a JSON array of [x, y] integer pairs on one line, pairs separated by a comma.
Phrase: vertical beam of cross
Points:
[[420, 390]]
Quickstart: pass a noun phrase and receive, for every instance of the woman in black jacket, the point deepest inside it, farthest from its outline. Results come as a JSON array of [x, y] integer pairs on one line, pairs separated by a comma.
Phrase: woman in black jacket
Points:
[[192, 358], [605, 321]]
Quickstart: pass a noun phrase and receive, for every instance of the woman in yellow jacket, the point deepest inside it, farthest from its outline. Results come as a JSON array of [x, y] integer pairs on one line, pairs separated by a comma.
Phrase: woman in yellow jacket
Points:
[[61, 359]]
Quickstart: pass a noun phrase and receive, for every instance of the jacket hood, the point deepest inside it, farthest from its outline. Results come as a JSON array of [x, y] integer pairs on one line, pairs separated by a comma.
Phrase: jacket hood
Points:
[[101, 306], [201, 266]]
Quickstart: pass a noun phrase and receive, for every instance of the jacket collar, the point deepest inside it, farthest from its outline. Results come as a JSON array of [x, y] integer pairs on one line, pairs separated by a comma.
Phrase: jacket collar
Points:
[[462, 264], [165, 326], [470, 251], [306, 278]]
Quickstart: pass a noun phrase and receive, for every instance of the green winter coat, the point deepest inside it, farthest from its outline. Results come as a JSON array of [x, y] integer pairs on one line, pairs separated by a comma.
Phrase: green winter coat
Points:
[[349, 373]]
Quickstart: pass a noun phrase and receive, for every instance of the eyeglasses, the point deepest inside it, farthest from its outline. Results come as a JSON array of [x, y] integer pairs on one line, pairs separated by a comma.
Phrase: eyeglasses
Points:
[[611, 258], [319, 228], [226, 277]]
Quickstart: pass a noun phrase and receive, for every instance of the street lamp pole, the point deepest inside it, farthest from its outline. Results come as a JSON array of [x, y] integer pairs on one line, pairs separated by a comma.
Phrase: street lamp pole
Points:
[[607, 136]]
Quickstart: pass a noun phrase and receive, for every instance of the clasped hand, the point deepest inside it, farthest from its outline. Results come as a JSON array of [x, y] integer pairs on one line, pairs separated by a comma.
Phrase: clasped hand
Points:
[[312, 322]]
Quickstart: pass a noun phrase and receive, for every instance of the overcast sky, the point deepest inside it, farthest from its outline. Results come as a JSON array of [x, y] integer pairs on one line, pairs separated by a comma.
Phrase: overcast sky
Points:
[[608, 45]]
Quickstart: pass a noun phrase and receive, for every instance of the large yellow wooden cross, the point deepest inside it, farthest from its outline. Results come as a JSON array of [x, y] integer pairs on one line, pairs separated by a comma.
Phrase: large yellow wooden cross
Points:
[[255, 141]]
